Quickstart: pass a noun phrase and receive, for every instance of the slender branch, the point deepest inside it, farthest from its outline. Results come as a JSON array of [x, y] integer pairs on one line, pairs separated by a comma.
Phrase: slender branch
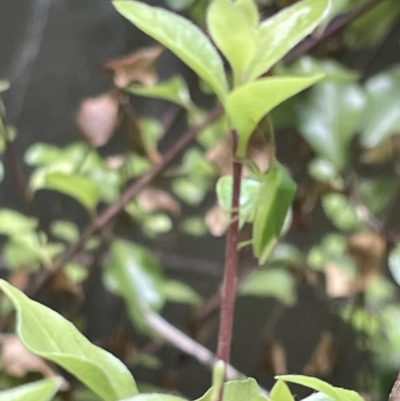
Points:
[[336, 25], [103, 219], [231, 262]]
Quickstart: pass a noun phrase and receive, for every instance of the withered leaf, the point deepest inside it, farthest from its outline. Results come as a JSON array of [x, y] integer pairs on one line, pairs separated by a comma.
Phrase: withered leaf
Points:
[[217, 221], [340, 282], [323, 357], [139, 67], [98, 117], [152, 200]]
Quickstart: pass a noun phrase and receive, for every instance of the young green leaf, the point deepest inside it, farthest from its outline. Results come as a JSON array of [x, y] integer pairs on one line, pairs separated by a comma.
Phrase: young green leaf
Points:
[[279, 34], [249, 9], [237, 390], [238, 44], [43, 390], [336, 393], [47, 334], [133, 274], [247, 105], [180, 36], [274, 200], [281, 392]]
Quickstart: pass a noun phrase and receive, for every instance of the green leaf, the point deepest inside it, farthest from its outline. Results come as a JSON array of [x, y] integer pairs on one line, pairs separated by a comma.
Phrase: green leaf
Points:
[[381, 118], [279, 34], [43, 390], [4, 85], [274, 200], [281, 392], [47, 334], [371, 27], [271, 282], [174, 89], [394, 264], [133, 274], [247, 105], [249, 9], [249, 189], [14, 223], [328, 119], [180, 36], [237, 390], [81, 188], [176, 291], [342, 212], [239, 44], [179, 5], [154, 397], [336, 393]]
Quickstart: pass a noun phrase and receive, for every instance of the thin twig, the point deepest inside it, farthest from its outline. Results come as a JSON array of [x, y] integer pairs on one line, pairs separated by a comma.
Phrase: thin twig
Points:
[[231, 262], [336, 25]]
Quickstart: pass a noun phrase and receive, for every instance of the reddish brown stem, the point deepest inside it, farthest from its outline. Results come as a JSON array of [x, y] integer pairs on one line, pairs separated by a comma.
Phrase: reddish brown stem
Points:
[[231, 262]]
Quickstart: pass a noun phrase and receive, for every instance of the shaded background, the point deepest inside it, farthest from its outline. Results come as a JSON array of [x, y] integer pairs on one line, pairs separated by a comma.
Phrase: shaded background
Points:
[[52, 53]]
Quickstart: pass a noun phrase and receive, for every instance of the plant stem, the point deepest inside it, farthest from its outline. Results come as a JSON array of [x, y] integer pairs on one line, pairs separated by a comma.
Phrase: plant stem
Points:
[[231, 262]]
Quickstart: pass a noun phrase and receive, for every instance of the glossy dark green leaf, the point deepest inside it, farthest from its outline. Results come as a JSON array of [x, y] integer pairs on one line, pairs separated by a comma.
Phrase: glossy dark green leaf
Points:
[[47, 334], [43, 390], [336, 393], [381, 118], [281, 392], [133, 274], [329, 119], [273, 202], [270, 282], [280, 33], [237, 44], [180, 36], [248, 104]]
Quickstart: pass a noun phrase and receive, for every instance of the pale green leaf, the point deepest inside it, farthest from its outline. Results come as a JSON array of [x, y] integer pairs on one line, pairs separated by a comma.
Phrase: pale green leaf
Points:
[[238, 44], [180, 36], [281, 392], [174, 89], [279, 34], [248, 104], [271, 282], [329, 118], [49, 335], [249, 189], [249, 9], [4, 85], [14, 223], [43, 390], [336, 393], [83, 189], [237, 390], [177, 291], [133, 274], [154, 397], [381, 118]]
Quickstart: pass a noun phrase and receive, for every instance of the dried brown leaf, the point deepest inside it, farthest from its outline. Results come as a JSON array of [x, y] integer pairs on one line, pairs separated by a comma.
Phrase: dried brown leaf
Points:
[[152, 200], [368, 251], [217, 221], [339, 282], [322, 359], [139, 66], [17, 360], [221, 156], [274, 358], [98, 117]]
